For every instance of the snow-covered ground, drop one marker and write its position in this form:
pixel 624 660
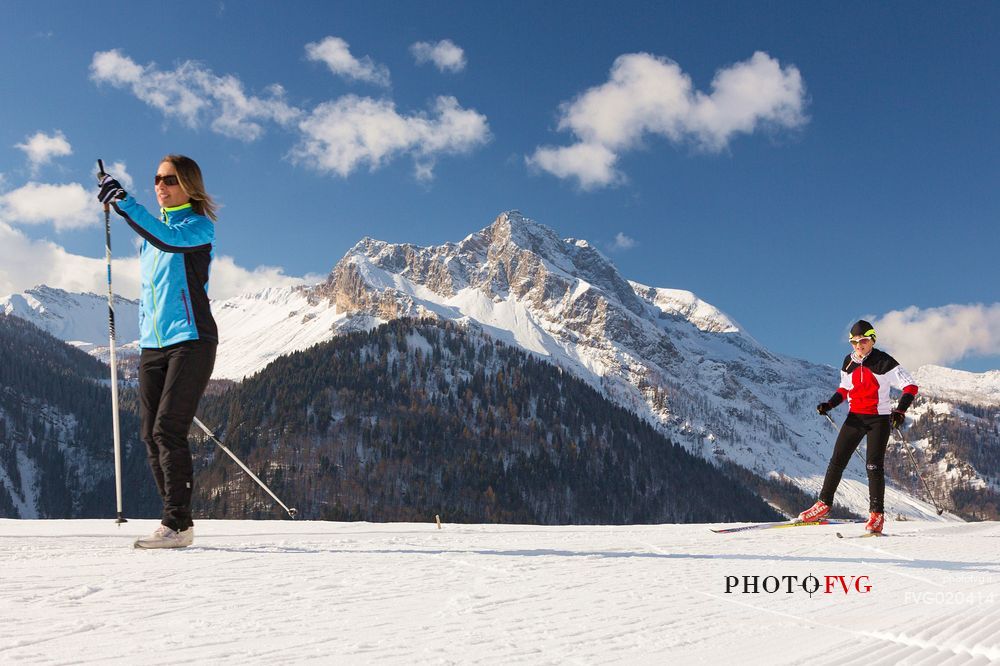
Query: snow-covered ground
pixel 358 593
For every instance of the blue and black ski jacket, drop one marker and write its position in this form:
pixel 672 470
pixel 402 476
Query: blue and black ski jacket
pixel 174 260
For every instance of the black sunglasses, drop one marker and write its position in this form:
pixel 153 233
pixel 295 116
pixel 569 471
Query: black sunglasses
pixel 166 180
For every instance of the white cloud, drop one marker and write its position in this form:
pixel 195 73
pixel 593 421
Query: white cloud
pixel 229 280
pixel 25 263
pixel 68 206
pixel 336 137
pixel 623 242
pixel 941 335
pixel 336 53
pixel 41 148
pixel 114 68
pixel 646 94
pixel 592 164
pixel 194 94
pixel 445 54
pixel 342 135
pixel 121 174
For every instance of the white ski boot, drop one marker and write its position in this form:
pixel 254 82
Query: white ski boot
pixel 164 537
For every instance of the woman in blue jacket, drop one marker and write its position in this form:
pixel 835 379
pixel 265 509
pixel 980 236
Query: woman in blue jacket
pixel 178 335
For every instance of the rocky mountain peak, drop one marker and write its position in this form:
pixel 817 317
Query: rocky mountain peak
pixel 515 245
pixel 511 227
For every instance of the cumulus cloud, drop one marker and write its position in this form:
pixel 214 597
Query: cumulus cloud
pixel 592 164
pixel 41 148
pixel 623 242
pixel 940 335
pixel 336 137
pixel 649 95
pixel 65 206
pixel 336 53
pixel 121 174
pixel 445 54
pixel 68 206
pixel 25 263
pixel 229 279
pixel 343 135
pixel 195 95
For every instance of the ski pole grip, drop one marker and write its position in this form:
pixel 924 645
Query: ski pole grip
pixel 100 176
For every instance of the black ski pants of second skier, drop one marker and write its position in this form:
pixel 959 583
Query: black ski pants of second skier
pixel 855 428
pixel 171 382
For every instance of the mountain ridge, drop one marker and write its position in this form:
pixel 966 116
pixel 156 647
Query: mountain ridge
pixel 680 363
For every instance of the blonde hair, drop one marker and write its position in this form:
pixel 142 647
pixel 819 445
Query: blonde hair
pixel 189 177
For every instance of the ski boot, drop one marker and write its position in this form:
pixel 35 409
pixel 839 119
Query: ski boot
pixel 875 522
pixel 815 513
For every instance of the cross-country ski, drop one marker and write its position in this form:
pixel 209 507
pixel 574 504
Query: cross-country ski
pixel 782 524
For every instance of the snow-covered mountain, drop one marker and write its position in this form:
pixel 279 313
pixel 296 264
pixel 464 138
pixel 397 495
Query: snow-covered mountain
pixel 980 388
pixel 78 319
pixel 675 360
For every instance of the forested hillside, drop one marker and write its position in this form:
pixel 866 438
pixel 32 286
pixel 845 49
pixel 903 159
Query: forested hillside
pixel 421 418
pixel 56 443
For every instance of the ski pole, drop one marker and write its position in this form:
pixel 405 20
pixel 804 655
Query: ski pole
pixel 856 452
pixel 114 365
pixel 291 512
pixel 909 452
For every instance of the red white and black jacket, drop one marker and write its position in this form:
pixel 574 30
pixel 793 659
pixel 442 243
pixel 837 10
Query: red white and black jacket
pixel 866 385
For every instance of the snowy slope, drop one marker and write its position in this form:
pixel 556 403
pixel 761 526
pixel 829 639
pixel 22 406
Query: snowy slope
pixel 406 593
pixel 257 328
pixel 980 388
pixel 78 319
pixel 685 304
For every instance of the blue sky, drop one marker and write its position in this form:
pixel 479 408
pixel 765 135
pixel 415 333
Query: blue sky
pixel 798 165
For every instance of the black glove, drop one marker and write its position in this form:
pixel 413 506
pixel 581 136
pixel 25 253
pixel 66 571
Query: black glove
pixel 823 407
pixel 111 190
pixel 897 418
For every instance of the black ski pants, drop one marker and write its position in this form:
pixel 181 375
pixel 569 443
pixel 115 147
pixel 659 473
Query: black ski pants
pixel 171 382
pixel 855 428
